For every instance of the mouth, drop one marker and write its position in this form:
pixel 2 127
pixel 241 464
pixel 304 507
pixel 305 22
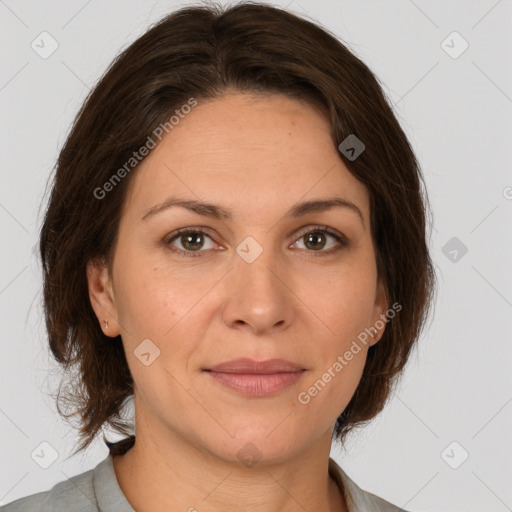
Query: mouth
pixel 250 366
pixel 256 379
pixel 251 384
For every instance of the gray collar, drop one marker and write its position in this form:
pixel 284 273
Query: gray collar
pixel 108 493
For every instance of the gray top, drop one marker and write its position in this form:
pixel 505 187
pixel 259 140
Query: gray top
pixel 97 490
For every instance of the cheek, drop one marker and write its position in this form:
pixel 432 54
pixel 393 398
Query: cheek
pixel 165 307
pixel 330 388
pixel 150 298
pixel 344 300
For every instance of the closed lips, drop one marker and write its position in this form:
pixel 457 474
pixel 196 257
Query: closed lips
pixel 251 367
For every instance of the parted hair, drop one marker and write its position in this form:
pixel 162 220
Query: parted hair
pixel 204 51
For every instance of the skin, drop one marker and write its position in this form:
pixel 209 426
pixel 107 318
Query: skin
pixel 257 156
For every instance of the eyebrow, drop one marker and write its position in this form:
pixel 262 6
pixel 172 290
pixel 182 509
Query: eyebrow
pixel 219 212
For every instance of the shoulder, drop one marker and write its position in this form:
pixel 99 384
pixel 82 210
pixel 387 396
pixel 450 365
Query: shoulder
pixel 75 494
pixel 358 499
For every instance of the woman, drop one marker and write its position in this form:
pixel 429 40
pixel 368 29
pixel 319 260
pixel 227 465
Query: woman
pixel 236 239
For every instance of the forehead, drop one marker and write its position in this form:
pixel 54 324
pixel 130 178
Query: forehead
pixel 246 152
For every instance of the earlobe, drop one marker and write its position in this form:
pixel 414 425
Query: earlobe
pixel 102 297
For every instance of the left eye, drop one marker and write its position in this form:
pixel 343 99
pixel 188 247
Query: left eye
pixel 315 239
pixel 319 236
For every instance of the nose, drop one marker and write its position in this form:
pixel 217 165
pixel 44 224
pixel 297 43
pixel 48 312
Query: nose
pixel 258 296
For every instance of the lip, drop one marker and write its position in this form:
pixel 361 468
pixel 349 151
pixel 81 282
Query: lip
pixel 256 378
pixel 250 366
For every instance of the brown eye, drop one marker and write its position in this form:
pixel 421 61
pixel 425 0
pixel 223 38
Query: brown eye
pixel 315 240
pixel 192 241
pixel 322 240
pixel 189 241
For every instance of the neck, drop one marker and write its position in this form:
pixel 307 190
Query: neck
pixel 167 473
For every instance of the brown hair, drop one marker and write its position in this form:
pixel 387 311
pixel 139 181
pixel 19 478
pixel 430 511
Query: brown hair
pixel 202 52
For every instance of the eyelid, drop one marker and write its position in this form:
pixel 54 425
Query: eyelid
pixel 183 231
pixel 317 227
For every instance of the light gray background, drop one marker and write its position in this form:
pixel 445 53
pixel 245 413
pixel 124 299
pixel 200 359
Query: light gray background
pixel 457 113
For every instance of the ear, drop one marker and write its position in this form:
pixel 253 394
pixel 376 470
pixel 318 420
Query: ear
pixel 101 295
pixel 379 317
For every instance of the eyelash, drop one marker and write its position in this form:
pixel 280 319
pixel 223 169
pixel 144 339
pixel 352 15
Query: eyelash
pixel 341 239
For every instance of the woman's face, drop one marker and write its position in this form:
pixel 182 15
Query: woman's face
pixel 264 282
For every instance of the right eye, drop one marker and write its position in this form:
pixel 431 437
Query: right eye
pixel 190 239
